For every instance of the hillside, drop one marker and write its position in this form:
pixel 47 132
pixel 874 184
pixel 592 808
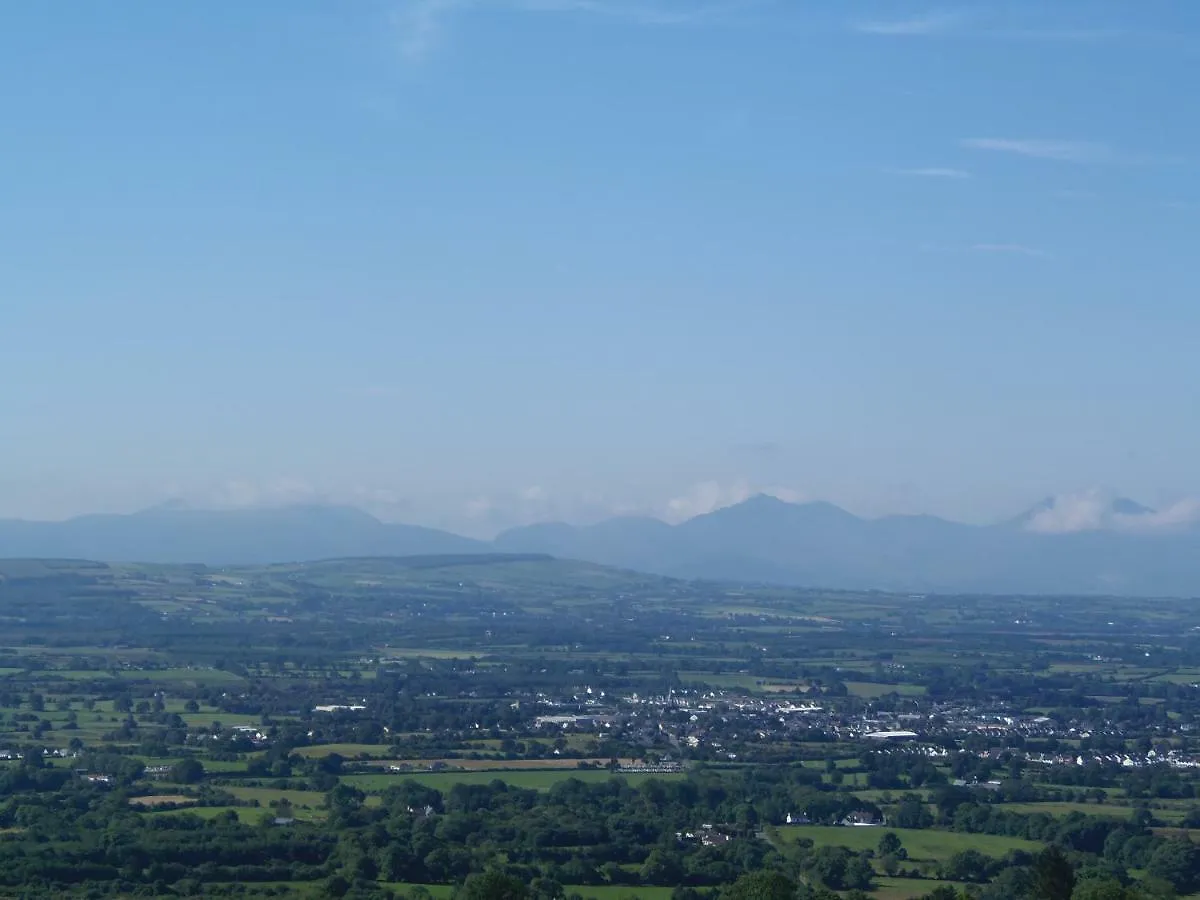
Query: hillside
pixel 760 540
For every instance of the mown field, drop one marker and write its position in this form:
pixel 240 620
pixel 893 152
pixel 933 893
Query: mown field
pixel 923 845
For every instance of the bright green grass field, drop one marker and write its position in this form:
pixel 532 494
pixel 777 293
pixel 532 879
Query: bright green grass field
pixel 376 751
pixel 265 796
pixel 535 779
pixel 920 844
pixel 619 892
pixel 246 814
pixel 594 892
pixel 1088 809
pixel 440 891
pixel 907 888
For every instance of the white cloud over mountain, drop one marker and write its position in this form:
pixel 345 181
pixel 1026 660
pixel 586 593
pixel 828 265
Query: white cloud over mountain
pixel 1097 509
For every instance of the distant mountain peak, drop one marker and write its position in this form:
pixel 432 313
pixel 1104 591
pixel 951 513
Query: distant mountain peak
pixel 174 504
pixel 1123 506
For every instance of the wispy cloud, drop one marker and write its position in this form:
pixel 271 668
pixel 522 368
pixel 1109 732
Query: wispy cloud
pixel 914 26
pixel 1061 35
pixel 1038 148
pixel 932 172
pixel 420 25
pixel 641 12
pixel 1098 509
pixel 962 24
pixel 1016 249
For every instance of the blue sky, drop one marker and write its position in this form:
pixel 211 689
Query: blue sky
pixel 473 262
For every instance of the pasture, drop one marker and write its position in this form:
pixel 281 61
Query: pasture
pixel 923 845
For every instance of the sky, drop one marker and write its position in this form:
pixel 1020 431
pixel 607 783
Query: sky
pixel 473 263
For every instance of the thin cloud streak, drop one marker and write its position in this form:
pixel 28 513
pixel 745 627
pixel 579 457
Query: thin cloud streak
pixel 420 24
pixel 1017 249
pixel 917 26
pixel 959 24
pixel 1038 148
pixel 933 172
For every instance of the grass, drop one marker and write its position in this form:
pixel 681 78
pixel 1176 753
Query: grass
pixel 350 751
pixel 907 888
pixel 1088 809
pixel 922 845
pixel 588 891
pixel 402 653
pixel 539 780
pixel 160 800
pixel 493 765
pixel 266 796
pixel 246 814
pixel 870 690
pixel 619 892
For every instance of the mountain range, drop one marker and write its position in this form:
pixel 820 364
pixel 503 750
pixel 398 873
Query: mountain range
pixel 760 540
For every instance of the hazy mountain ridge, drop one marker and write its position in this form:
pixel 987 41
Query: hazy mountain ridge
pixel 762 539
pixel 250 536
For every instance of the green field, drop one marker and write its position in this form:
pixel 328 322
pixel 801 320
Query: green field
pixel 870 689
pixel 907 888
pixel 266 796
pixel 1088 809
pixel 620 892
pixel 587 891
pixel 922 845
pixel 350 751
pixel 536 779
pixel 247 814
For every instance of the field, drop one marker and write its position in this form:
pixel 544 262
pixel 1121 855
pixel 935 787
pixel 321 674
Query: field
pixel 620 892
pixel 922 845
pixel 1088 809
pixel 497 765
pixel 149 802
pixel 374 751
pixel 540 780
pixel 907 888
pixel 870 690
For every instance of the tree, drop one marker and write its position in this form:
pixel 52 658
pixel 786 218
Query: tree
pixel 661 867
pixel 966 865
pixel 1178 862
pixel 187 771
pixel 1103 889
pixel 492 885
pixel 858 874
pixel 889 845
pixel 911 812
pixel 1053 876
pixel 943 892
pixel 761 886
